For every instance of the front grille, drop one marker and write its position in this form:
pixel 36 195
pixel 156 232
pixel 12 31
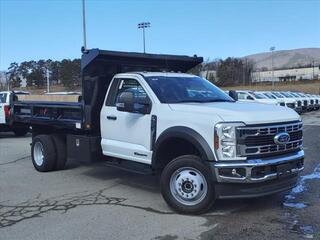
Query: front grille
pixel 290 105
pixel 299 103
pixel 305 103
pixel 317 101
pixel 311 102
pixel 259 140
pixel 282 104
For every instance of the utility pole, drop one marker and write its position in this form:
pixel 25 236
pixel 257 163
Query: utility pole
pixel 48 83
pixel 144 25
pixel 84 25
pixel 8 81
pixel 312 69
pixel 272 49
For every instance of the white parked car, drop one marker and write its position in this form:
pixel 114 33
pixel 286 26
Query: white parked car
pixel 269 95
pixel 251 96
pixel 289 101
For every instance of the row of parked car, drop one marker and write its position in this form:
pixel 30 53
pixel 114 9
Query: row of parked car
pixel 300 102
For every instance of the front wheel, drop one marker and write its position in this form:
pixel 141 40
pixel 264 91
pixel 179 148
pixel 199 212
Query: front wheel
pixel 187 185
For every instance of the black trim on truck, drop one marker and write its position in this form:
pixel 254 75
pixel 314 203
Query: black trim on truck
pixel 153 135
pixel 187 134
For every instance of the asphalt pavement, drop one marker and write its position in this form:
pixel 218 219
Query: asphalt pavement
pixel 99 202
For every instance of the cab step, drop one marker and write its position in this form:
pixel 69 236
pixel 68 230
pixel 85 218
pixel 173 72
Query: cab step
pixel 129 166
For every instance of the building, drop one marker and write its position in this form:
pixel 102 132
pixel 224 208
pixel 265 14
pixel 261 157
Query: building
pixel 283 75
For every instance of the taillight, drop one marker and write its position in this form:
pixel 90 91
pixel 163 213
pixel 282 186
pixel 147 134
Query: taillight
pixel 7 111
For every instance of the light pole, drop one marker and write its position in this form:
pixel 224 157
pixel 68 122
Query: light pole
pixel 272 49
pixel 144 25
pixel 84 26
pixel 48 83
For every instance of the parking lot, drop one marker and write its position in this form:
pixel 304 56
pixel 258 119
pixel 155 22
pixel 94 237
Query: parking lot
pixel 99 202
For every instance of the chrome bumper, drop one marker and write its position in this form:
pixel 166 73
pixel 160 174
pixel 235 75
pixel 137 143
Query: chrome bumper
pixel 249 165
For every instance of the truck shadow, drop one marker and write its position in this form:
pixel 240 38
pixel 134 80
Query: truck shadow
pixel 151 184
pixel 147 183
pixel 11 135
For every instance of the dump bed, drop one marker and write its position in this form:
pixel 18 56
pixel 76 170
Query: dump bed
pixel 98 67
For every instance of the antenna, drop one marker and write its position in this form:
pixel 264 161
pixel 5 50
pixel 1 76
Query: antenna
pixel 84 47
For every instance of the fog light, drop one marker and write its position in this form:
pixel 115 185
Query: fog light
pixel 232 172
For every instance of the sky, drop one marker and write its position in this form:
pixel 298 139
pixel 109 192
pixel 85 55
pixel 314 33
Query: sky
pixel 52 29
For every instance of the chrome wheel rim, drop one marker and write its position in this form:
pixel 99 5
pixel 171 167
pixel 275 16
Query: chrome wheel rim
pixel 188 186
pixel 38 153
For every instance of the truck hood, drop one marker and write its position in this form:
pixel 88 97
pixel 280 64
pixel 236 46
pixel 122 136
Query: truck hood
pixel 267 101
pixel 249 113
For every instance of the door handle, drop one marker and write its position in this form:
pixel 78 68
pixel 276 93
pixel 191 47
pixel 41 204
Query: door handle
pixel 111 117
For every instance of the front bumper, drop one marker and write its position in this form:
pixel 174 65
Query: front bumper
pixel 257 177
pixel 298 109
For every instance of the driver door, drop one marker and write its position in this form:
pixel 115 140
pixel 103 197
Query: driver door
pixel 3 102
pixel 125 135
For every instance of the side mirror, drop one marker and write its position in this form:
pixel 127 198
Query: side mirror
pixel 127 103
pixel 233 94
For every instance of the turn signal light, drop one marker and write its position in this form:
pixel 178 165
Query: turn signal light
pixel 6 111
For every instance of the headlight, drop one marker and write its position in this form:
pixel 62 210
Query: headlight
pixel 225 141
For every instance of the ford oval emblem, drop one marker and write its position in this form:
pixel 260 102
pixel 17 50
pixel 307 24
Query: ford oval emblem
pixel 281 138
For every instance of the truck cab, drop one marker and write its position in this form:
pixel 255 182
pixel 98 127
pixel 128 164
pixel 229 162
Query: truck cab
pixel 6 124
pixel 143 113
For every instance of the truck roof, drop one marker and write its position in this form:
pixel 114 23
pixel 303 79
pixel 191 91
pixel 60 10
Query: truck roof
pixel 133 61
pixel 162 74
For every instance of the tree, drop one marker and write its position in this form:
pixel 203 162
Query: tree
pixel 234 71
pixel 13 75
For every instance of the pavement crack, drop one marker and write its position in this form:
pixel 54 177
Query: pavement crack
pixel 14 161
pixel 13 214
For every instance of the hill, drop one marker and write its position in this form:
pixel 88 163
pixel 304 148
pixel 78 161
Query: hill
pixel 286 58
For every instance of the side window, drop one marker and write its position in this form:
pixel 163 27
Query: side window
pixel 3 97
pixel 249 97
pixel 242 95
pixel 111 98
pixel 133 86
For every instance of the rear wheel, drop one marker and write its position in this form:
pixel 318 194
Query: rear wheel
pixel 21 131
pixel 43 153
pixel 61 151
pixel 187 185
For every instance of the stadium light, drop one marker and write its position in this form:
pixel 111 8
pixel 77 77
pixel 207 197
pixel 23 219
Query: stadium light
pixel 144 25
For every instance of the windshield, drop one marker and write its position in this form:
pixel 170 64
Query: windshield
pixel 269 95
pixel 3 97
pixel 258 95
pixel 287 95
pixel 186 89
pixel 277 95
pixel 295 94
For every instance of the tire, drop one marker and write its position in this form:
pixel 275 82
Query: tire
pixel 43 153
pixel 61 151
pixel 20 132
pixel 180 177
